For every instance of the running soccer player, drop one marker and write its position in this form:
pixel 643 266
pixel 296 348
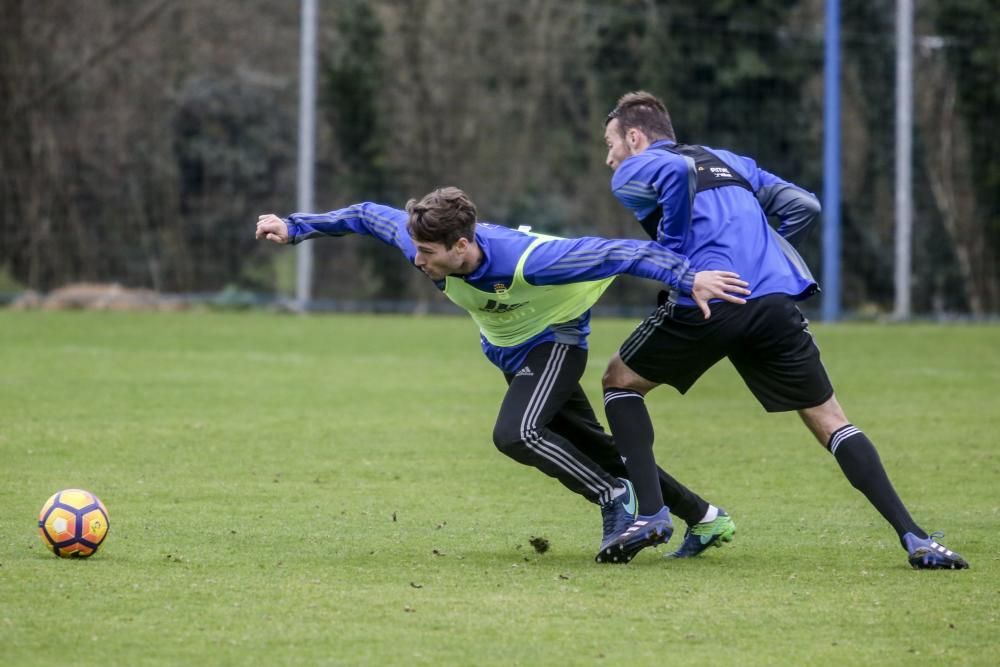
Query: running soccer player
pixel 712 206
pixel 531 297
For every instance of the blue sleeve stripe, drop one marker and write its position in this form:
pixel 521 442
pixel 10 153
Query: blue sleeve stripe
pixel 638 188
pixel 310 218
pixel 632 247
pixel 657 257
pixel 386 228
pixel 644 251
pixel 675 269
pixel 661 262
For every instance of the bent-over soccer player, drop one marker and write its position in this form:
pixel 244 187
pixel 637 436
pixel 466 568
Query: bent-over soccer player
pixel 712 206
pixel 531 297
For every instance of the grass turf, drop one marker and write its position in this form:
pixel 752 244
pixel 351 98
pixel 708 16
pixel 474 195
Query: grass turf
pixel 323 491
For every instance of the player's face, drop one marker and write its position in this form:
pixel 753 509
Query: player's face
pixel 618 150
pixel 436 261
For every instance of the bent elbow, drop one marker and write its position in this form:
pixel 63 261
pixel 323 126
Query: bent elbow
pixel 813 207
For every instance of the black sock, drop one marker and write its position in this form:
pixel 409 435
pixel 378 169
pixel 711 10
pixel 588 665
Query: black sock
pixel 633 433
pixel 682 501
pixel 863 468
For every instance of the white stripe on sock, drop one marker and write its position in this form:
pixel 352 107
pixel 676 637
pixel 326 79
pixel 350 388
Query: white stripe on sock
pixel 611 396
pixel 843 434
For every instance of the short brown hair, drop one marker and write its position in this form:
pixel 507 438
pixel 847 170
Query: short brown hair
pixel 643 111
pixel 442 216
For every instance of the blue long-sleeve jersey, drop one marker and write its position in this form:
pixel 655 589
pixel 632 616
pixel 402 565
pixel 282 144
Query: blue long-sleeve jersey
pixel 556 262
pixel 723 228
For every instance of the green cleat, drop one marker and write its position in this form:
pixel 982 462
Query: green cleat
pixel 704 535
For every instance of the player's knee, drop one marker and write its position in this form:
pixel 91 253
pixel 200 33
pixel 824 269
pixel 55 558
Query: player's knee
pixel 507 437
pixel 619 376
pixel 612 372
pixel 825 419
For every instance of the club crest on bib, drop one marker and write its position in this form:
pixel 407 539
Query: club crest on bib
pixel 501 291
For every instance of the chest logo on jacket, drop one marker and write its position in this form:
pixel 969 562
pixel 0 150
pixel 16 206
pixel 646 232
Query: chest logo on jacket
pixel 494 307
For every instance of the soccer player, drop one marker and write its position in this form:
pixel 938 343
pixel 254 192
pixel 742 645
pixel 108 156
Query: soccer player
pixel 531 297
pixel 712 206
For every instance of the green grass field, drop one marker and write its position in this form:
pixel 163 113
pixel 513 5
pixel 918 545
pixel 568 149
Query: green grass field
pixel 324 491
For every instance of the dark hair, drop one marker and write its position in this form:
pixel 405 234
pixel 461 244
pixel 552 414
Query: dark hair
pixel 442 216
pixel 645 112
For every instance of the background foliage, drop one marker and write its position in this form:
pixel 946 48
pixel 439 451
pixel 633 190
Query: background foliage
pixel 141 139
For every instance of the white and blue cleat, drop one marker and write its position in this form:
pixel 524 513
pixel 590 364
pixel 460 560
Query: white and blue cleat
pixel 618 514
pixel 926 554
pixel 645 531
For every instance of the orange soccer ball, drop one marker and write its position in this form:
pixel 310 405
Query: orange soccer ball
pixel 73 523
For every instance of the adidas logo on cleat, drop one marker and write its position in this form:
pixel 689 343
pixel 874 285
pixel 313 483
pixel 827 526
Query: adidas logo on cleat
pixel 635 526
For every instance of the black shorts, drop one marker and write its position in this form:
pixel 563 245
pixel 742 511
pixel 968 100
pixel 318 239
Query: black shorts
pixel 767 340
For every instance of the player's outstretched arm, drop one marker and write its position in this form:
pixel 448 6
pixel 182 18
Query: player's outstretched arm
pixel 724 285
pixel 272 228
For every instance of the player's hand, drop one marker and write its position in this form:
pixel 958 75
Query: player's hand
pixel 724 285
pixel 272 228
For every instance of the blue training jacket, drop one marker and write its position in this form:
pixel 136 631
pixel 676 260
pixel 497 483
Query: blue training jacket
pixel 559 261
pixel 724 228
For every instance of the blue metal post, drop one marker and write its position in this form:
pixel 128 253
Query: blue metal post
pixel 831 165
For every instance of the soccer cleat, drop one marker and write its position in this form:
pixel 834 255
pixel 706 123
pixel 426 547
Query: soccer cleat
pixel 927 554
pixel 618 514
pixel 645 531
pixel 706 534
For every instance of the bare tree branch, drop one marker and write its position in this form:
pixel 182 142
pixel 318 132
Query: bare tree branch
pixel 128 32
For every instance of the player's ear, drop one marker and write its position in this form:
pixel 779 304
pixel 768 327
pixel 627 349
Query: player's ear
pixel 633 136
